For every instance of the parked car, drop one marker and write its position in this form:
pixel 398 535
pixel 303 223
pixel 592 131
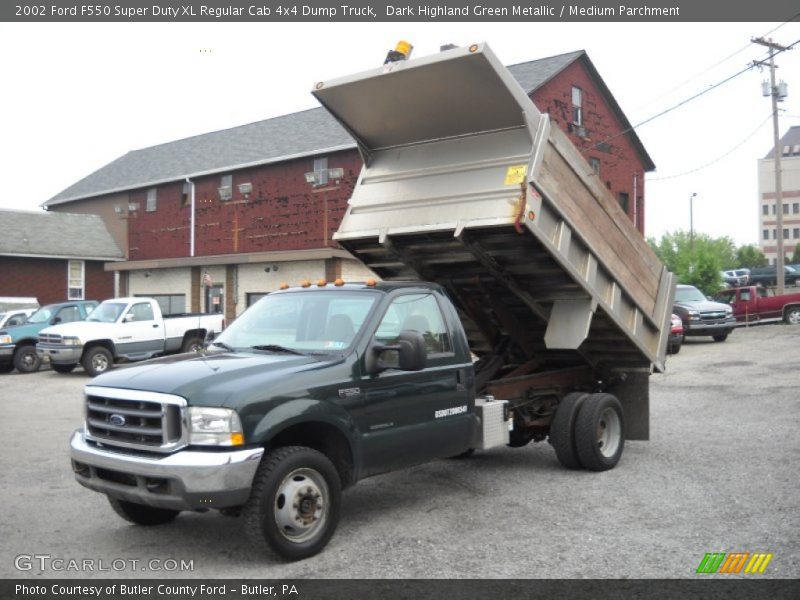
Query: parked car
pixel 756 303
pixel 675 335
pixel 701 316
pixel 129 329
pixel 12 318
pixel 18 344
pixel 736 277
pixel 769 275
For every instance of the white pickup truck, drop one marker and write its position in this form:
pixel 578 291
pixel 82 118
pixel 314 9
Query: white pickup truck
pixel 129 329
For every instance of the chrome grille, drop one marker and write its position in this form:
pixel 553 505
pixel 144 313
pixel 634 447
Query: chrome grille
pixel 49 338
pixel 713 316
pixel 135 419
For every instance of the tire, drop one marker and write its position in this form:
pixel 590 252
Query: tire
pixel 465 454
pixel 600 432
pixel 270 517
pixel 63 368
pixel 140 514
pixel 792 315
pixel 6 367
pixel 26 360
pixel 193 344
pixel 721 338
pixel 675 348
pixel 97 360
pixel 562 430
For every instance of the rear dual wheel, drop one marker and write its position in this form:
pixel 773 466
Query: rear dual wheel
pixel 588 431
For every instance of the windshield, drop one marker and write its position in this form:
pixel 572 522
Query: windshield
pixel 689 294
pixel 107 312
pixel 299 321
pixel 42 315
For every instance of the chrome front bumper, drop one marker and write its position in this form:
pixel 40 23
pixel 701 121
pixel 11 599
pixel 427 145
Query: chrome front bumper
pixel 184 480
pixel 67 355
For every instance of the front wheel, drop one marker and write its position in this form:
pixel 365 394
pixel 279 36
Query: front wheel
pixel 26 360
pixel 721 338
pixel 294 503
pixel 600 432
pixel 97 360
pixel 192 344
pixel 140 514
pixel 792 315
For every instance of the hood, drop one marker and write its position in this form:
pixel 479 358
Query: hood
pixel 84 330
pixel 18 332
pixel 704 306
pixel 209 379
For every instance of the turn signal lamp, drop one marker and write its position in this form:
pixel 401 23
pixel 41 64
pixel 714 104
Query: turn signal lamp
pixel 284 286
pixel 371 283
pixel 339 282
pixel 305 283
pixel 322 283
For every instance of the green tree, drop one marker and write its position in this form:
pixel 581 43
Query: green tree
pixel 699 262
pixel 750 257
pixel 796 256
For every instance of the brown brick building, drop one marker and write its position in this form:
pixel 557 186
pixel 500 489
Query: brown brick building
pixel 55 256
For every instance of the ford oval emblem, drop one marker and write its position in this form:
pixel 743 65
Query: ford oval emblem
pixel 117 420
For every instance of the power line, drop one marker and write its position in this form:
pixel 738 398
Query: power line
pixel 716 160
pixel 716 64
pixel 686 101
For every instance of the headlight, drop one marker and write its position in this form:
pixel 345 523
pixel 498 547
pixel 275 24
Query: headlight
pixel 214 427
pixel 728 311
pixel 70 341
pixel 5 339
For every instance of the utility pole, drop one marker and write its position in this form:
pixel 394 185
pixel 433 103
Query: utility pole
pixel 691 221
pixel 779 263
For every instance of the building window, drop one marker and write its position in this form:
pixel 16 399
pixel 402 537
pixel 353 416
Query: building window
pixel 253 297
pixel 151 200
pixel 765 234
pixel 321 171
pixel 773 209
pixel 226 187
pixel 595 162
pixel 577 106
pixel 765 210
pixel 796 207
pixel 774 234
pixel 623 201
pixel 786 209
pixel 786 233
pixel 170 304
pixel 186 194
pixel 796 233
pixel 76 279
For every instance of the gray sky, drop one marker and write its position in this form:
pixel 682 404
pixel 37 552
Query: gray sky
pixel 77 96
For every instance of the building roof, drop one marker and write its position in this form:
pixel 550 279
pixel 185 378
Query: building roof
pixel 789 144
pixel 55 235
pixel 305 133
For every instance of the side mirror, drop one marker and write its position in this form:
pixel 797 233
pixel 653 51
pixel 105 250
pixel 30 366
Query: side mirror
pixel 407 354
pixel 210 337
pixel 55 320
pixel 127 318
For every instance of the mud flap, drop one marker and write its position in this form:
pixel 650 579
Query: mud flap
pixel 634 395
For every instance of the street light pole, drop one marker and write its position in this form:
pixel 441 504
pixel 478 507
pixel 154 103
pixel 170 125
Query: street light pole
pixel 691 221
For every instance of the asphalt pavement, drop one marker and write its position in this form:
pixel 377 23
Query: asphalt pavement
pixel 718 475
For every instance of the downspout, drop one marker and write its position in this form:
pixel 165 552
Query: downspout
pixel 191 221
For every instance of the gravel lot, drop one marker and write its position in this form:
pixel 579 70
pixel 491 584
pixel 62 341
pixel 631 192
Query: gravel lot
pixel 719 475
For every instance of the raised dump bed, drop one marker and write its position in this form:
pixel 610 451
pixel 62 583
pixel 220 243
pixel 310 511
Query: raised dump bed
pixel 465 183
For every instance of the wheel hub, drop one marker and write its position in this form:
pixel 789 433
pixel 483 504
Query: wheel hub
pixel 300 508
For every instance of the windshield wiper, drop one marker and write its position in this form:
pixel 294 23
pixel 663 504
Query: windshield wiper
pixel 276 348
pixel 223 345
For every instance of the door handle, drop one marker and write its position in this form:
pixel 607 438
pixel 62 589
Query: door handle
pixel 155 325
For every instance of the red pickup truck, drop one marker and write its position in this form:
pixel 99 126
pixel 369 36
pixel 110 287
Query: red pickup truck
pixel 756 303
